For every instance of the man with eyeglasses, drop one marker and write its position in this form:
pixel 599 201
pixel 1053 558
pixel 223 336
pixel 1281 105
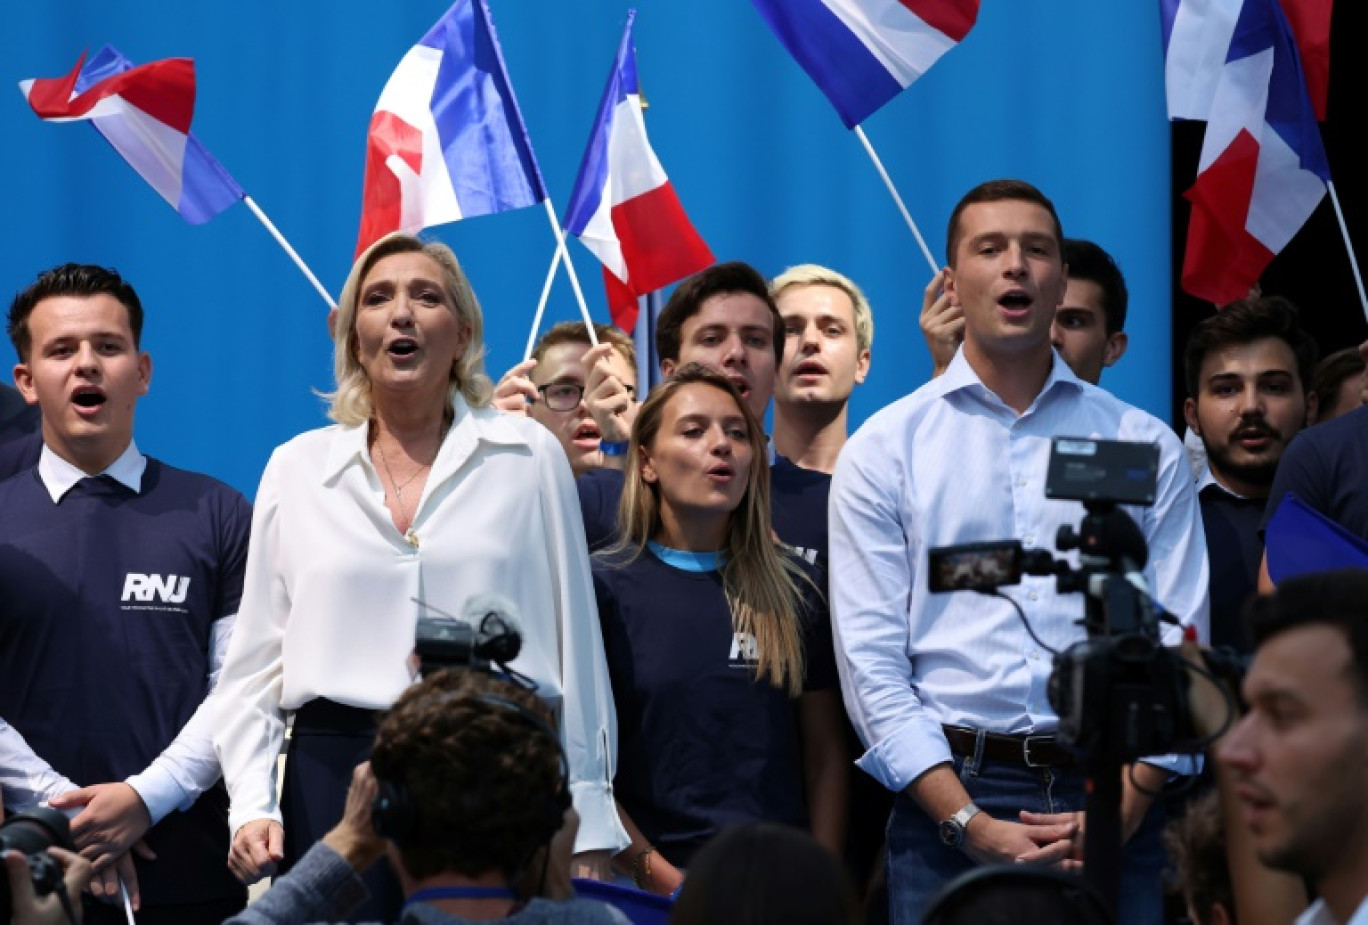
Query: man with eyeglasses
pixel 584 395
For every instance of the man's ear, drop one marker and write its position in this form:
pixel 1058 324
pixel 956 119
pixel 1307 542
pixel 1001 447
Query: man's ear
pixel 1115 348
pixel 1312 408
pixel 862 367
pixel 1190 415
pixel 949 286
pixel 23 381
pixel 144 372
pixel 667 368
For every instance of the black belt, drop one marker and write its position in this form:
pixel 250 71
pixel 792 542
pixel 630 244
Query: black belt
pixel 321 716
pixel 1032 751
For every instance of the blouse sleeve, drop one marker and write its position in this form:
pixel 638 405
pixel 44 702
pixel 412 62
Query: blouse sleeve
pixel 588 720
pixel 249 727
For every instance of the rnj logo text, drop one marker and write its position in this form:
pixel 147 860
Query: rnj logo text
pixel 169 589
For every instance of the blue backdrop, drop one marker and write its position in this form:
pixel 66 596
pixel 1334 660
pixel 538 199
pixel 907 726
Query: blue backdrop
pixel 1067 94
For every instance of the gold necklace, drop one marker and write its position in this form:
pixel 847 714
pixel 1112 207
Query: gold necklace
pixel 399 492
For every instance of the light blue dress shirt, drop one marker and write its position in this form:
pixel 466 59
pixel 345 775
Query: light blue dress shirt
pixel 951 463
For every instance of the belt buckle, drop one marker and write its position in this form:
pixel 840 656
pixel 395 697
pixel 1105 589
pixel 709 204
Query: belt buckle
pixel 1026 751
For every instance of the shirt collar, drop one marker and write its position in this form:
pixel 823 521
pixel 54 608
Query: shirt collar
pixel 959 376
pixel 1207 478
pixel 469 428
pixel 59 476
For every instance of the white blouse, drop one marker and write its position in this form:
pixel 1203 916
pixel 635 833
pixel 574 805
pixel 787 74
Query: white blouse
pixel 328 604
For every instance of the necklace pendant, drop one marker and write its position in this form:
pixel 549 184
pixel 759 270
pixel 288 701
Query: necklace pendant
pixel 412 538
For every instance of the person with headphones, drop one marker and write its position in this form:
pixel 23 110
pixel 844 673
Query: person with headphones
pixel 467 793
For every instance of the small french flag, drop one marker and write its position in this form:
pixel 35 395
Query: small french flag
pixel 623 207
pixel 144 113
pixel 447 141
pixel 862 53
pixel 1263 169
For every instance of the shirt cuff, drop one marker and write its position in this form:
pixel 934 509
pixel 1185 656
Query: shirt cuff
pixel 1177 765
pixel 159 792
pixel 600 828
pixel 907 754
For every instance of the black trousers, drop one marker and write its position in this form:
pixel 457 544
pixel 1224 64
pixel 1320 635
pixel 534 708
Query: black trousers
pixel 329 740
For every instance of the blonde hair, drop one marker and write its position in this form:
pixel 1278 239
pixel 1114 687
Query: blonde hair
pixel 810 274
pixel 351 403
pixel 760 582
pixel 574 332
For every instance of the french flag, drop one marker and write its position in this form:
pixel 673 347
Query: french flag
pixel 1263 169
pixel 623 207
pixel 1197 35
pixel 144 113
pixel 447 141
pixel 862 53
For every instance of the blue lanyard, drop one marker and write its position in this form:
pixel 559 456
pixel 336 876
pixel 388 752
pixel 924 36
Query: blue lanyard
pixel 459 892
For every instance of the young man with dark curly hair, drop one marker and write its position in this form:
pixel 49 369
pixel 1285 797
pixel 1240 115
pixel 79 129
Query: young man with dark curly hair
pixel 466 793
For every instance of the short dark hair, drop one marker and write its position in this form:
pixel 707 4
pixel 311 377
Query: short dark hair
pixel 997 191
pixel 1007 895
pixel 1244 322
pixel 689 296
pixel 1090 263
pixel 1330 373
pixel 70 279
pixel 760 872
pixel 481 775
pixel 1196 842
pixel 1338 598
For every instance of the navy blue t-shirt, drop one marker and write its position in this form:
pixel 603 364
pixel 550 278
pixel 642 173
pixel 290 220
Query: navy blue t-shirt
pixel 798 508
pixel 798 501
pixel 702 744
pixel 1234 550
pixel 1325 466
pixel 107 603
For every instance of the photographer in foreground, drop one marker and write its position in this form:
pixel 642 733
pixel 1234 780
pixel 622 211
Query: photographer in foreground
pixel 466 792
pixel 1294 769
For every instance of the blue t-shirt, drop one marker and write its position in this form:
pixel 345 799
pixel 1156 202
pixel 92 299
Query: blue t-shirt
pixel 107 603
pixel 1234 551
pixel 1325 466
pixel 798 508
pixel 702 744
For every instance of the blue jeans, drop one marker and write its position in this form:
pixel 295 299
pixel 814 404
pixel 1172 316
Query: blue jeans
pixel 919 865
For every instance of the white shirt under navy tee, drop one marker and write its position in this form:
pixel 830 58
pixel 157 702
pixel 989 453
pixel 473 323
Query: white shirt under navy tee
pixel 114 591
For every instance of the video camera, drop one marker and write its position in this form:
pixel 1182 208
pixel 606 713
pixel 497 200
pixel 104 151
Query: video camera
pixel 32 833
pixel 485 634
pixel 1119 692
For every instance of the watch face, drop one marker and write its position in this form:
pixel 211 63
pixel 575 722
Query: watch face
pixel 951 833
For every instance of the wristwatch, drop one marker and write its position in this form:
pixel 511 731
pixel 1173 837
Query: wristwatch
pixel 952 830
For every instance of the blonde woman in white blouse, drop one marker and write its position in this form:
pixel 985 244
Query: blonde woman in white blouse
pixel 422 492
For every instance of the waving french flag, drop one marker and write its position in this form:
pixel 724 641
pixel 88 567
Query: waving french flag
pixel 862 53
pixel 1263 169
pixel 623 207
pixel 447 141
pixel 144 113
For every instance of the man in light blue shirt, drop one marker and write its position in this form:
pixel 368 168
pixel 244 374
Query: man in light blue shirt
pixel 948 692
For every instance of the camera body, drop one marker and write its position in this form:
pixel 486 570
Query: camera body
pixel 1120 694
pixel 32 833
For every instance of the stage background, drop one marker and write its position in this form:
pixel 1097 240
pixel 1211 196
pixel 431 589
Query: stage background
pixel 1067 94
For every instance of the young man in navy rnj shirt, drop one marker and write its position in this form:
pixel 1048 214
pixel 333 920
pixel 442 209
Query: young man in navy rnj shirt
pixel 119 581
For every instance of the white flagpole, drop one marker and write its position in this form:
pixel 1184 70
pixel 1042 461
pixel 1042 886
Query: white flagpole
pixel 1348 246
pixel 570 268
pixel 893 191
pixel 280 239
pixel 541 304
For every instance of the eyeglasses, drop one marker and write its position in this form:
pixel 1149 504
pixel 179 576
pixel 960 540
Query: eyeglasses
pixel 565 396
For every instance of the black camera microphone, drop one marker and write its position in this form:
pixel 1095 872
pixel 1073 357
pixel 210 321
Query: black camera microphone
pixel 486 633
